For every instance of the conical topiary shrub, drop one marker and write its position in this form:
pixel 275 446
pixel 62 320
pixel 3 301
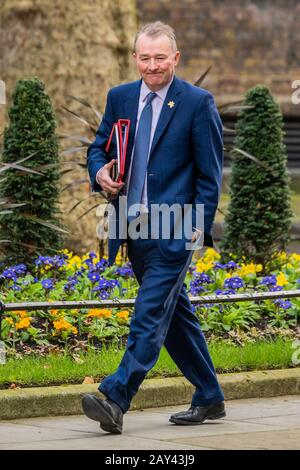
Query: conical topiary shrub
pixel 32 228
pixel 258 219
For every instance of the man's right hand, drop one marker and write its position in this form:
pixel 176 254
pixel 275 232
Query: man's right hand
pixel 104 179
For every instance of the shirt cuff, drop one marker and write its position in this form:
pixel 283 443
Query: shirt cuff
pixel 97 176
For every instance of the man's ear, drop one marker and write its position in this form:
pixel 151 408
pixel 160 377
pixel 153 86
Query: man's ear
pixel 177 57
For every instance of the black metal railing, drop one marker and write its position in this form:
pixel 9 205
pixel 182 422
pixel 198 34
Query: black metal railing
pixel 199 300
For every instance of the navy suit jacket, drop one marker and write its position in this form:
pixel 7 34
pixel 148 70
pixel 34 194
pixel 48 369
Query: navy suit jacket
pixel 186 156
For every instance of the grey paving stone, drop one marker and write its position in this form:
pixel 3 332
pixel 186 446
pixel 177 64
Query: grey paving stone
pixel 268 423
pixel 14 433
pixel 286 421
pixel 270 440
pixel 102 442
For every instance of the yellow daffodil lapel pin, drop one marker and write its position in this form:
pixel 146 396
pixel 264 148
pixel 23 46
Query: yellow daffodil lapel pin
pixel 171 104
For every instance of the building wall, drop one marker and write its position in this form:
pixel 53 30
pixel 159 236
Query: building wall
pixel 79 48
pixel 246 41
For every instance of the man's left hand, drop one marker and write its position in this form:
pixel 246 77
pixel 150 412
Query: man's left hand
pixel 196 235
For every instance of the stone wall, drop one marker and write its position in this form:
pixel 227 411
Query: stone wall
pixel 78 47
pixel 246 41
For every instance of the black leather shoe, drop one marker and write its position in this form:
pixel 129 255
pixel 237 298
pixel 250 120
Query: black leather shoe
pixel 108 413
pixel 198 414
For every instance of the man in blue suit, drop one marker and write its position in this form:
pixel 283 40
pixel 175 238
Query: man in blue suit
pixel 175 157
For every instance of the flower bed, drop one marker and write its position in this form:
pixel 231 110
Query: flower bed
pixel 69 277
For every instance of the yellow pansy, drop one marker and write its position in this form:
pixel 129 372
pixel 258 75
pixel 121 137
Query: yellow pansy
pixel 75 262
pixel 211 255
pixel 203 266
pixel 99 313
pixel 282 256
pixel 24 323
pixel 67 252
pixel 119 260
pixel 295 257
pixel 63 324
pixel 281 279
pixel 250 268
pixel 123 315
pixel 54 313
pixel 21 313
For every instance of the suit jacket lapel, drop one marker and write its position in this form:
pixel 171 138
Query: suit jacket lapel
pixel 168 110
pixel 131 104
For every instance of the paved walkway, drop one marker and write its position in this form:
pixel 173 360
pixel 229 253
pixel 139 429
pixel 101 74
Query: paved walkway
pixel 268 423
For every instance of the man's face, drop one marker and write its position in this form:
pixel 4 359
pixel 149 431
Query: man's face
pixel 155 60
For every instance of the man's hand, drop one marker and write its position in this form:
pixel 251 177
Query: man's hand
pixel 104 179
pixel 195 235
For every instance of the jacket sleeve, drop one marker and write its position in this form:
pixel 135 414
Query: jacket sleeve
pixel 207 141
pixel 96 155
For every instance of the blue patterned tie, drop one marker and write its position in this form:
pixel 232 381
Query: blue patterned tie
pixel 140 155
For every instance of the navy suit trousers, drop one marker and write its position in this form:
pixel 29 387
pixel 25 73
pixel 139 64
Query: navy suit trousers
pixel 152 326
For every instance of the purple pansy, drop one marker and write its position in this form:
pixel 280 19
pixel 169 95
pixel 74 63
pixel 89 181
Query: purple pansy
pixel 234 282
pixel 125 272
pixel 285 304
pixel 47 284
pixel 225 292
pixel 56 261
pixel 71 284
pixel 105 286
pixel 94 277
pixel 269 280
pixel 196 286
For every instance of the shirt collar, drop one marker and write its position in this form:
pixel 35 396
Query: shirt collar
pixel 162 93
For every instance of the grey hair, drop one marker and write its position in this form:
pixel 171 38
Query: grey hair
pixel 156 29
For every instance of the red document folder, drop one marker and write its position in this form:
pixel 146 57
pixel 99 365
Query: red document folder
pixel 120 132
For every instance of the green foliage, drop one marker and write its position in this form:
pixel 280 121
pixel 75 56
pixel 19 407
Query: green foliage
pixel 32 227
pixel 258 219
pixel 224 318
pixel 48 369
pixel 68 277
